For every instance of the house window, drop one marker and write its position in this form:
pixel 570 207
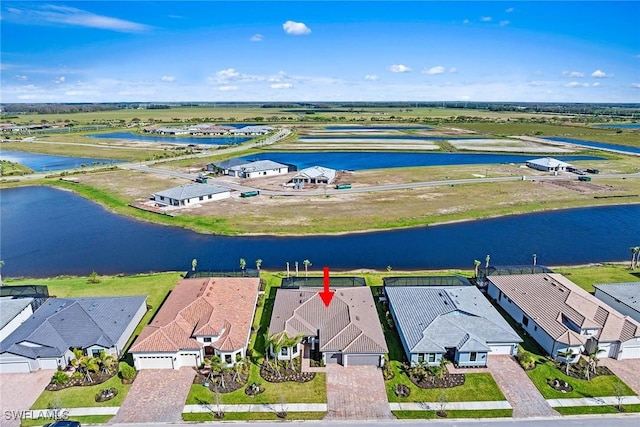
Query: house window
pixel 473 356
pixel 206 339
pixel 96 353
pixel 201 198
pixel 161 197
pixel 420 357
pixel 284 351
pixel 535 328
pixel 432 357
pixel 227 358
pixel 210 196
pixel 525 320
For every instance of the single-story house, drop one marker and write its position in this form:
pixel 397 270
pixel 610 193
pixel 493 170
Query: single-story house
pixel 252 130
pixel 46 339
pixel 190 194
pixel 561 316
pixel 13 313
pixel 624 297
pixel 455 322
pixel 348 331
pixel 259 168
pixel 548 164
pixel 200 318
pixel 314 175
pixel 224 166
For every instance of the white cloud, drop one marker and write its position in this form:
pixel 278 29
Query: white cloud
pixel 434 70
pixel 573 74
pixel 600 74
pixel 59 80
pixel 596 84
pixel 168 79
pixel 453 70
pixel 577 84
pixel 371 77
pixel 281 86
pixel 636 85
pixel 227 88
pixel 505 23
pixel 296 28
pixel 22 78
pixel 466 21
pixel 509 10
pixel 486 19
pixel 257 38
pixel 73 16
pixel 399 68
pixel 226 75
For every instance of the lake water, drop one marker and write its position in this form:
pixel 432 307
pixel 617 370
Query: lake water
pixel 48 162
pixel 594 144
pixel 377 160
pixel 49 232
pixel 376 128
pixel 171 139
pixel 620 126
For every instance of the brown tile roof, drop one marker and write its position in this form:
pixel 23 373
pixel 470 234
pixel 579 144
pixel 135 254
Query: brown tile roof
pixel 350 324
pixel 550 298
pixel 204 306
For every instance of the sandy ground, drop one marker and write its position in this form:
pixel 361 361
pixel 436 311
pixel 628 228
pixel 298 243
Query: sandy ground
pixel 507 145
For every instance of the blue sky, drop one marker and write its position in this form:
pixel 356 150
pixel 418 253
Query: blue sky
pixel 216 51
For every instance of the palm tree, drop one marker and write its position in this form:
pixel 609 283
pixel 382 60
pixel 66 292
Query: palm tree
pixel 194 264
pixel 566 355
pixel 258 264
pixel 307 264
pixel 635 253
pixel 290 343
pixel 296 264
pixel 218 368
pixel 106 362
pixel 476 264
pixel 535 259
pixel 593 358
pixel 1 265
pixel 243 265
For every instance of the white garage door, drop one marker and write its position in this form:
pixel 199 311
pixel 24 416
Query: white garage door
pixel 187 359
pixel 48 364
pixel 500 349
pixel 151 362
pixel 14 367
pixel 363 359
pixel 630 353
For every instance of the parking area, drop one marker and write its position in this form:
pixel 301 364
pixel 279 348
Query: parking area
pixel 18 392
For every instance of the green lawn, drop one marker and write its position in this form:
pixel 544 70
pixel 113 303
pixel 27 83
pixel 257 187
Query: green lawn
pixel 586 277
pixel 84 420
pixel 585 410
pixel 309 392
pixel 491 413
pixel 604 385
pixel 82 397
pixel 253 416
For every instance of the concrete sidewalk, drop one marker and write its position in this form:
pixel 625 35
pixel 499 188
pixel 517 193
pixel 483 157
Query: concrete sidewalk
pixel 450 406
pixel 259 407
pixel 594 401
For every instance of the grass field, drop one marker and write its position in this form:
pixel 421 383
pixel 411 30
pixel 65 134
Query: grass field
pixel 10 169
pixel 253 416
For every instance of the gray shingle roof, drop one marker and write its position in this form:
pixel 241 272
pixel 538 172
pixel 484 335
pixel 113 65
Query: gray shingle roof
pixel 315 172
pixel 62 323
pixel 11 307
pixel 433 318
pixel 191 191
pixel 548 162
pixel 350 324
pixel 627 293
pixel 258 166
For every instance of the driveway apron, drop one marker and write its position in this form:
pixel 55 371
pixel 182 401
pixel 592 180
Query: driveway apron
pixel 157 395
pixel 628 370
pixel 18 392
pixel 356 393
pixel 522 394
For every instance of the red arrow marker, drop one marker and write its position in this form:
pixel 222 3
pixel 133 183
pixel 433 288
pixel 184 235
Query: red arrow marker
pixel 326 294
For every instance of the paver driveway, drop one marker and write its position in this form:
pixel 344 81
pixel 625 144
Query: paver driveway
pixel 356 393
pixel 628 370
pixel 157 395
pixel 523 396
pixel 19 391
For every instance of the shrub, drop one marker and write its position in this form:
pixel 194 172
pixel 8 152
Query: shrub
pixel 60 378
pixel 127 372
pixel 527 360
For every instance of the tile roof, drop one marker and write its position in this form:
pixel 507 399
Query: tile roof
pixel 552 299
pixel 350 324
pixel 190 191
pixel 62 323
pixel 627 293
pixel 11 307
pixel 432 318
pixel 212 306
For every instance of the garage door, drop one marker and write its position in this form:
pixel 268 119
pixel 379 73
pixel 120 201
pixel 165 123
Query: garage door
pixel 48 364
pixel 187 359
pixel 500 349
pixel 15 367
pixel 363 359
pixel 630 353
pixel 155 362
pixel 334 358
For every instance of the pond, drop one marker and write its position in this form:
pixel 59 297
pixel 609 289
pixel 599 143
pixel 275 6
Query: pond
pixel 377 160
pixel 50 232
pixel 171 139
pixel 48 162
pixel 620 125
pixel 594 144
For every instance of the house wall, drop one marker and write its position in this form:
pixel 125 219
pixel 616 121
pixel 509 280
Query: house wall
pixel 615 303
pixel 193 201
pixel 415 359
pixel 15 322
pixel 464 359
pixel 270 172
pixel 630 349
pixel 111 351
pixel 131 327
pixel 296 352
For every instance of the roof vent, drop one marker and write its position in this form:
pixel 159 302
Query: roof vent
pixel 357 317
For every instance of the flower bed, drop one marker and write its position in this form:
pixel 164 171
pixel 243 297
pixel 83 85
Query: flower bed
pixel 284 373
pixel 560 385
pixel 430 381
pixel 80 380
pixel 231 381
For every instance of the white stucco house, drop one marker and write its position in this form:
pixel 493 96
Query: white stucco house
pixel 548 164
pixel 258 169
pixel 562 316
pixel 314 175
pixel 200 318
pixel 190 194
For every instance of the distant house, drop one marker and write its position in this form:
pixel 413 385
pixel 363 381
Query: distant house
pixel 45 340
pixel 13 312
pixel 259 168
pixel 252 130
pixel 455 322
pixel 190 194
pixel 548 164
pixel 347 332
pixel 224 166
pixel 314 175
pixel 561 316
pixel 624 297
pixel 201 317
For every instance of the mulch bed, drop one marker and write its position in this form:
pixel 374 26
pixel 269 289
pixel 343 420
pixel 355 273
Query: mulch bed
pixel 215 383
pixel 98 378
pixel 253 389
pixel 106 394
pixel 402 390
pixel 559 385
pixel 576 370
pixel 430 381
pixel 268 373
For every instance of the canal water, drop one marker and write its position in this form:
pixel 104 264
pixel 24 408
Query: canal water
pixel 47 162
pixel 171 139
pixel 49 232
